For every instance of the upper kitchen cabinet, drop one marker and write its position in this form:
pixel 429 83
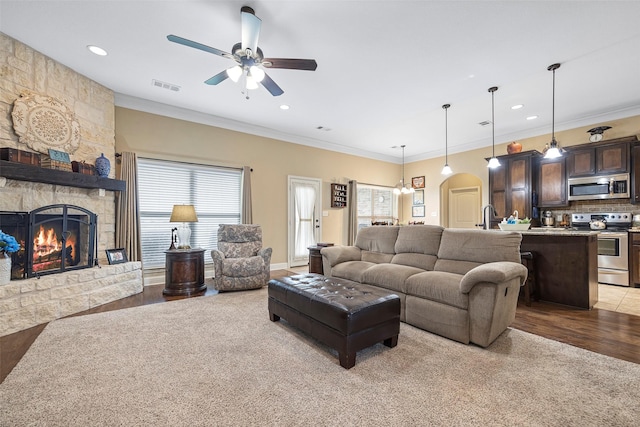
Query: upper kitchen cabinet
pixel 635 173
pixel 512 184
pixel 601 158
pixel 552 183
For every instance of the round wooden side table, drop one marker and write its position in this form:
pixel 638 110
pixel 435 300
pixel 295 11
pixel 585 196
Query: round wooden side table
pixel 184 272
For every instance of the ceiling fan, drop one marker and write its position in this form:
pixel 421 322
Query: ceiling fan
pixel 249 58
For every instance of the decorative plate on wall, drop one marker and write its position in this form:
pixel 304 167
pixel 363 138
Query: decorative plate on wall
pixel 43 122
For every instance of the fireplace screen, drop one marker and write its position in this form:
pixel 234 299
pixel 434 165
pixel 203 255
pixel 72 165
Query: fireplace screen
pixel 62 238
pixel 53 239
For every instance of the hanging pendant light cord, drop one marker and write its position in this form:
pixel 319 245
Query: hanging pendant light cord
pixel 446 134
pixel 493 126
pixel 553 107
pixel 403 184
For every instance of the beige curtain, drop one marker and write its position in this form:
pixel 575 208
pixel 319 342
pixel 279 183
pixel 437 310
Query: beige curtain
pixel 247 216
pixel 127 209
pixel 352 206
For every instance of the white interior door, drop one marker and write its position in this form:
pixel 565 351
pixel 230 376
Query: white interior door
pixel 464 207
pixel 305 218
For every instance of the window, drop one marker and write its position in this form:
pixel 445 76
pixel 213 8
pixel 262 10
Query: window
pixel 214 191
pixel 376 204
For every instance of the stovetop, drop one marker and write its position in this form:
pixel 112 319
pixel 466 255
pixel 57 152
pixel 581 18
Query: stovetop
pixel 615 221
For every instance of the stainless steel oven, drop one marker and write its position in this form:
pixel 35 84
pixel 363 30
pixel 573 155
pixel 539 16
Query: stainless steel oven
pixel 613 249
pixel 613 258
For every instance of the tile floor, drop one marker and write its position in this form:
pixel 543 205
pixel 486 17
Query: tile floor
pixel 610 297
pixel 619 298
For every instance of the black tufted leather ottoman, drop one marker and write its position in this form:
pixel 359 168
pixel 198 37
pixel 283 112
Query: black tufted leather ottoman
pixel 344 315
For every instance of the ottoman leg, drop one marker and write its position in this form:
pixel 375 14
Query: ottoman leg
pixel 273 317
pixel 347 359
pixel 391 342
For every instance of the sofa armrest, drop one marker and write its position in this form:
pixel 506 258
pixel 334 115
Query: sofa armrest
pixel 493 272
pixel 338 254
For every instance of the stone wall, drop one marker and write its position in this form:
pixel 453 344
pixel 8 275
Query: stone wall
pixel 26 303
pixel 30 302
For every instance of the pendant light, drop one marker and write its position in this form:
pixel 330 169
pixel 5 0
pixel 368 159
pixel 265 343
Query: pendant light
pixel 402 187
pixel 446 170
pixel 493 161
pixel 554 150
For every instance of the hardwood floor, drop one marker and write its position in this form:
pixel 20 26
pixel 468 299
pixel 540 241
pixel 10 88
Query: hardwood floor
pixel 602 331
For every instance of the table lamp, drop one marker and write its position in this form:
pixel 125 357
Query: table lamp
pixel 183 214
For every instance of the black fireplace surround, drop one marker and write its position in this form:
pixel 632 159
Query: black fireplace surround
pixel 53 239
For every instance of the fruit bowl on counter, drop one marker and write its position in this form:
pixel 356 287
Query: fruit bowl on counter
pixel 515 227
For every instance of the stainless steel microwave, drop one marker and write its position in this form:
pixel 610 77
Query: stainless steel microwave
pixel 599 187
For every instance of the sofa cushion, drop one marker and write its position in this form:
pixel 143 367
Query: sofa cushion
pixel 440 286
pixel 377 239
pixel 421 261
pixel 419 239
pixel 376 257
pixel 464 249
pixel 389 276
pixel 351 270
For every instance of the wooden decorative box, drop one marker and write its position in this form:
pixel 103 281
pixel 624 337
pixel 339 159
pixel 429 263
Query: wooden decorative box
pixel 83 168
pixel 19 156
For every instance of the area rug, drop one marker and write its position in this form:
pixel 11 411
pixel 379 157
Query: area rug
pixel 218 360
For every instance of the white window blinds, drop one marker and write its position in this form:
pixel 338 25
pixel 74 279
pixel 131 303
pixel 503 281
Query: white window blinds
pixel 214 191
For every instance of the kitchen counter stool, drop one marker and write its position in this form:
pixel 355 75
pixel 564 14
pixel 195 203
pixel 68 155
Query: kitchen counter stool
pixel 529 287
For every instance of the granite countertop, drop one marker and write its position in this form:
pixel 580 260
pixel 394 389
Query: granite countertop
pixel 544 231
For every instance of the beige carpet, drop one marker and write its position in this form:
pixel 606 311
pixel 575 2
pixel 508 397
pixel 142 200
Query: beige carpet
pixel 218 360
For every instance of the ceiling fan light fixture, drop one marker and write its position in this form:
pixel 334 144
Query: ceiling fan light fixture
pixel 234 73
pixel 251 83
pixel 257 73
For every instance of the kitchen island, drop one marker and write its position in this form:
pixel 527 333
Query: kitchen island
pixel 566 265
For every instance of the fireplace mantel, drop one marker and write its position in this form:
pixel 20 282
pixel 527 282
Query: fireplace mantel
pixel 24 172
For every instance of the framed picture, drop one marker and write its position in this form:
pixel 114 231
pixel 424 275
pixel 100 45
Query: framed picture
pixel 417 211
pixel 417 182
pixel 418 197
pixel 116 256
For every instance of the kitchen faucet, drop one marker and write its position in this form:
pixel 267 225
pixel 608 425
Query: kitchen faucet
pixel 486 221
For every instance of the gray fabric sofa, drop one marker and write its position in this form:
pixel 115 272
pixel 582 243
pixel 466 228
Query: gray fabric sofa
pixel 459 283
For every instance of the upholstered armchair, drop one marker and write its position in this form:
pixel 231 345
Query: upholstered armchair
pixel 240 262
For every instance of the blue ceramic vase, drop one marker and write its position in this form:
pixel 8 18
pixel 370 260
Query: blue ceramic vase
pixel 103 166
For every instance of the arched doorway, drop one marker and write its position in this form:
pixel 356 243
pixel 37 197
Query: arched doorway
pixel 461 201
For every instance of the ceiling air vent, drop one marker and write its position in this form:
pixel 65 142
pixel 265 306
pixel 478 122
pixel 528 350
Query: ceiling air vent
pixel 486 122
pixel 171 87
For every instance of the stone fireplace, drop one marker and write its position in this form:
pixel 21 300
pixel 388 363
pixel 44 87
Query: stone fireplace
pixel 43 296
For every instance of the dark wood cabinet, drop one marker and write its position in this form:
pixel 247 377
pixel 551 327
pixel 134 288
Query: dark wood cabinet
pixel 512 184
pixel 602 158
pixel 184 272
pixel 634 259
pixel 635 174
pixel 338 195
pixel 552 184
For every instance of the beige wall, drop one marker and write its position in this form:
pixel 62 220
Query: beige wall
pixel 272 161
pixel 160 137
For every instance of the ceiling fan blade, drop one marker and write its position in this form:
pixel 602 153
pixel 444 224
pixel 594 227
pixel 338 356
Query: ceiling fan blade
pixel 196 45
pixel 271 86
pixel 220 77
pixel 291 64
pixel 250 29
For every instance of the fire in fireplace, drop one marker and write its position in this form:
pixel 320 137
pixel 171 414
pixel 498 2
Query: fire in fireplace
pixel 55 238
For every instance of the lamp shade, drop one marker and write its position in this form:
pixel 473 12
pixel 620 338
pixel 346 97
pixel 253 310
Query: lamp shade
pixel 183 213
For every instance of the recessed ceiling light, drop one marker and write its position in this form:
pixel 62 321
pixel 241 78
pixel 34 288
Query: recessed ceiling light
pixel 284 107
pixel 517 107
pixel 532 117
pixel 97 50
